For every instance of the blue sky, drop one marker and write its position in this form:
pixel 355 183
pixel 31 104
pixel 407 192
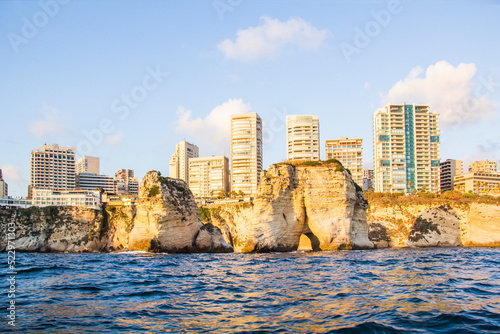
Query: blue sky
pixel 139 76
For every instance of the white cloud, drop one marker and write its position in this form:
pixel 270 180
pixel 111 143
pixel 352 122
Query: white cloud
pixel 271 38
pixel 114 140
pixel 214 130
pixel 367 85
pixel 450 91
pixel 52 123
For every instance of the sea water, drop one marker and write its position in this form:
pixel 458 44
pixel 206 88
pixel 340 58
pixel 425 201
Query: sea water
pixel 434 290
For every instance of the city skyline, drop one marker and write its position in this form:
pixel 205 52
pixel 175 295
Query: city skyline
pixel 166 71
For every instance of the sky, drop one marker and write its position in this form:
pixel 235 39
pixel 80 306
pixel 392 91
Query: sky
pixel 126 80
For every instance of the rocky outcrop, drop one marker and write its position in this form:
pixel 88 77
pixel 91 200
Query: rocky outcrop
pixel 410 223
pixel 314 207
pixel 54 229
pixel 164 219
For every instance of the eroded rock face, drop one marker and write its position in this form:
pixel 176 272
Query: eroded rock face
pixel 165 219
pixel 483 226
pixel 319 204
pixel 54 229
pixel 417 225
pixel 436 227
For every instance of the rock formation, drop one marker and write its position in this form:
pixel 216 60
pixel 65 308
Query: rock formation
pixel 439 222
pixel 314 207
pixel 164 219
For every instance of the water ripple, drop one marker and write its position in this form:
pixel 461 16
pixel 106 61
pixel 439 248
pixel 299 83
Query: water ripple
pixel 440 290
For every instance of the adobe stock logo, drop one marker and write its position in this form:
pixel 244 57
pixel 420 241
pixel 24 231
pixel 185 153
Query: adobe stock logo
pixel 31 28
pixel 372 29
pixel 223 6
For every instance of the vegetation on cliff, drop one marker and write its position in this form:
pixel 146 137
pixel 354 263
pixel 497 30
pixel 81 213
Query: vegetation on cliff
pixel 426 198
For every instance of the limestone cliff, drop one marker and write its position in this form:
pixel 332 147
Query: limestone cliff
pixel 54 229
pixel 410 221
pixel 314 207
pixel 164 219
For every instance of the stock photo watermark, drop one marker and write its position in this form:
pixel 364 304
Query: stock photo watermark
pixel 224 6
pixel 371 30
pixel 11 273
pixel 277 124
pixel 122 108
pixel 32 26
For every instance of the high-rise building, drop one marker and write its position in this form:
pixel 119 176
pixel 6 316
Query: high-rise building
pixel 350 153
pixel 448 170
pixel 367 179
pixel 483 166
pixel 179 165
pixel 406 148
pixel 89 165
pixel 246 152
pixel 4 189
pixel 126 182
pixel 208 176
pixel 302 137
pixel 53 167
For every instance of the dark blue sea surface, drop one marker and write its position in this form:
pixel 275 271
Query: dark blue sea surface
pixel 436 290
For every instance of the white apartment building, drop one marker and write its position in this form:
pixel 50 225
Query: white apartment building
pixel 448 170
pixel 208 176
pixel 483 166
pixel 302 137
pixel 47 197
pixel 4 189
pixel 246 152
pixel 53 167
pixel 406 148
pixel 179 165
pixel 89 165
pixel 350 153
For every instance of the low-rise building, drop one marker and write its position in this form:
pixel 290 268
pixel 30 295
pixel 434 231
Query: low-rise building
pixel 477 182
pixel 78 197
pixel 11 202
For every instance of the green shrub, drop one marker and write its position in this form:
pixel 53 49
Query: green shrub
pixel 205 213
pixel 311 163
pixel 339 168
pixel 333 161
pixel 154 191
